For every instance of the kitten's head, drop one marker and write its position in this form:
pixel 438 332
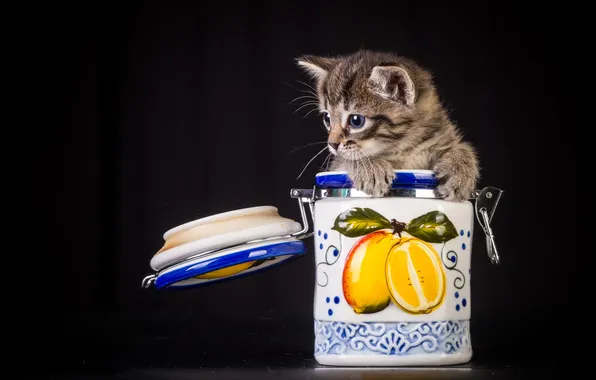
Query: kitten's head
pixel 371 101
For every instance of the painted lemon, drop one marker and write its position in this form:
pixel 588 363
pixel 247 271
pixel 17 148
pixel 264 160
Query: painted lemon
pixel 364 284
pixel 227 271
pixel 415 276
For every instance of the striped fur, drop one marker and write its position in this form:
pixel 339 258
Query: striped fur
pixel 406 125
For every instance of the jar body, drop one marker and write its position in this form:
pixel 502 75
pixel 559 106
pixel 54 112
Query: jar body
pixel 392 281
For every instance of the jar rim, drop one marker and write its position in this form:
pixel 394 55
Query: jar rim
pixel 414 171
pixel 403 179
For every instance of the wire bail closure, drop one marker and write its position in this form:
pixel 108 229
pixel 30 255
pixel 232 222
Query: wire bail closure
pixel 486 201
pixel 485 205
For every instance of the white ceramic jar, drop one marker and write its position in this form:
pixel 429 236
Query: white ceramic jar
pixel 393 273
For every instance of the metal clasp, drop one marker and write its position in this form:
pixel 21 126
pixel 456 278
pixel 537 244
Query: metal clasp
pixel 304 196
pixel 148 281
pixel 486 203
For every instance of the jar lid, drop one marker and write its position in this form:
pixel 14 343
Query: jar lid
pixel 226 245
pixel 410 179
pixel 230 263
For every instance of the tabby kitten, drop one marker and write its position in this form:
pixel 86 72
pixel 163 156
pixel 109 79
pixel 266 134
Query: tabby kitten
pixel 382 112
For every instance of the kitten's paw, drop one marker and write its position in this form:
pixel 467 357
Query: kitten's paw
pixel 374 181
pixel 454 187
pixel 449 193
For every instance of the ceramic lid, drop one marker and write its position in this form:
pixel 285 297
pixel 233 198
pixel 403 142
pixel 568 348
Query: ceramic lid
pixel 226 245
pixel 418 179
pixel 230 263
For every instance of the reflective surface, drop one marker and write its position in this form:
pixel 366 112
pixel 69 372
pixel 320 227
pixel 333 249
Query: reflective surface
pixel 161 346
pixel 308 371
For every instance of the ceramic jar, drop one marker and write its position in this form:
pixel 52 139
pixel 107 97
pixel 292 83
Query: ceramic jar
pixel 392 273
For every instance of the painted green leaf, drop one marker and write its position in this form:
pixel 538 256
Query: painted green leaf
pixel 432 227
pixel 359 221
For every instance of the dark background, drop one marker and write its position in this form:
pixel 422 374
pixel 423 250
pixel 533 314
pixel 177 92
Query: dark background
pixel 150 116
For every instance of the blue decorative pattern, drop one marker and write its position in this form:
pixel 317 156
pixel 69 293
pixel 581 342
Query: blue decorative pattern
pixel 450 260
pixel 403 338
pixel 331 257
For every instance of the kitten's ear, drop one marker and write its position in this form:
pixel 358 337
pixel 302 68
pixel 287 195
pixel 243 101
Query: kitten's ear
pixel 392 82
pixel 317 67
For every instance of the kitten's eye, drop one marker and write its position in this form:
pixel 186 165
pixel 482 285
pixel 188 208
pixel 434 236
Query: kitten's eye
pixel 327 119
pixel 357 121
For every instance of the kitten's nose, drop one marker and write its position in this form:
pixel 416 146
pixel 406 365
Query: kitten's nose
pixel 334 145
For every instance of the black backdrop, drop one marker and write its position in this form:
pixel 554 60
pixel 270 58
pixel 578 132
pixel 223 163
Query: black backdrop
pixel 149 116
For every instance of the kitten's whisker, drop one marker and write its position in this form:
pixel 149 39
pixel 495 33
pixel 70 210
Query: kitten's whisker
pixel 310 102
pixel 309 112
pixel 326 160
pixel 304 96
pixel 365 154
pixel 304 91
pixel 306 105
pixel 308 92
pixel 307 85
pixel 329 160
pixel 308 163
pixel 305 145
